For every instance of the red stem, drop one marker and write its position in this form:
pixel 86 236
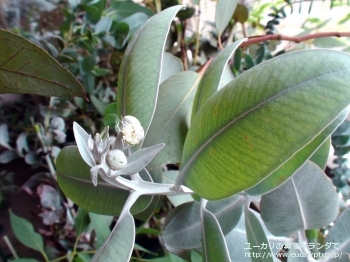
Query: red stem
pixel 296 39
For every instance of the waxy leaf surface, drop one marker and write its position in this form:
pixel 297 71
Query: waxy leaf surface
pixel 27 69
pixel 139 74
pixel 312 202
pixel 185 221
pixel 339 234
pixel 211 80
pixel 256 237
pixel 172 118
pixel 284 172
pixel 213 241
pixel 261 119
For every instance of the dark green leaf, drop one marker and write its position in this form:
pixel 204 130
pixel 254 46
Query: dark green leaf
pixel 81 221
pixel 27 69
pixel 249 62
pixel 237 59
pixel 110 120
pixel 101 225
pixel 25 233
pixel 111 108
pixel 187 13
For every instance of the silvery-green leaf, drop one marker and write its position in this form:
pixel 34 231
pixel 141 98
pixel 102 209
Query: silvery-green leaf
pixel 184 222
pixel 120 243
pixel 238 245
pixel 213 241
pixel 4 136
pixel 312 202
pixel 7 156
pixel 22 144
pixel 139 160
pixel 171 65
pixel 82 138
pixel 169 177
pixel 211 80
pixel 257 238
pixel 139 74
pixel 101 224
pixel 224 12
pixel 339 234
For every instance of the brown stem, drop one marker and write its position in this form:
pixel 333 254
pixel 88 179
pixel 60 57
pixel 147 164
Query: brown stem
pixel 296 39
pixel 183 46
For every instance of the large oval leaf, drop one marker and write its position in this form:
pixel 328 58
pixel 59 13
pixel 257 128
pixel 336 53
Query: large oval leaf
pixel 261 119
pixel 184 229
pixel 211 79
pixel 139 74
pixel 312 202
pixel 73 176
pixel 172 118
pixel 214 245
pixel 120 243
pixel 256 238
pixel 224 12
pixel 27 69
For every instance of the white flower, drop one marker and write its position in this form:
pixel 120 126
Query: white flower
pixel 132 130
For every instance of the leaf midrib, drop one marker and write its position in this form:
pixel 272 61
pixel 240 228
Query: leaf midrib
pixel 86 181
pixel 245 113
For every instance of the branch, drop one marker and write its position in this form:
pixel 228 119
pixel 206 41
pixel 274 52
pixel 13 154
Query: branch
pixel 296 39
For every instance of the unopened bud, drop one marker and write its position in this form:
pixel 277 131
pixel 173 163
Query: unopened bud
pixel 132 130
pixel 116 159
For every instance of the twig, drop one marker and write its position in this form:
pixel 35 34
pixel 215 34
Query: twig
pixel 196 51
pixel 296 39
pixel 9 245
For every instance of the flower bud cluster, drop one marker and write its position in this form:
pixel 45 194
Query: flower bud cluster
pixel 106 153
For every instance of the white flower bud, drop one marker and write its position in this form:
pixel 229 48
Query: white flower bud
pixel 116 159
pixel 132 130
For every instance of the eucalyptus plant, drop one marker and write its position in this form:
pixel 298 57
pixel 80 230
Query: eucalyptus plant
pixel 264 136
pixel 258 142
